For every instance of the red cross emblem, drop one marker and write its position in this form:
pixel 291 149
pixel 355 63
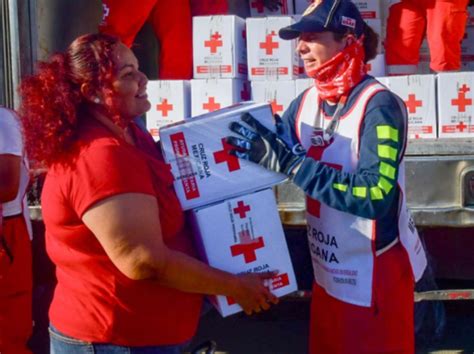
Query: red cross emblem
pixel 164 107
pixel 245 93
pixel 275 106
pixel 214 42
pixel 241 209
pixel 461 126
pixel 247 246
pixel 269 45
pixel 211 104
pixel 412 103
pixel 224 156
pixel 258 4
pixel 462 102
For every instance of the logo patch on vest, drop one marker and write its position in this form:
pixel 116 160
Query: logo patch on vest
pixel 320 138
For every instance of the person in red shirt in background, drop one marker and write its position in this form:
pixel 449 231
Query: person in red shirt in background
pixel 171 22
pixel 127 274
pixel 16 281
pixel 443 22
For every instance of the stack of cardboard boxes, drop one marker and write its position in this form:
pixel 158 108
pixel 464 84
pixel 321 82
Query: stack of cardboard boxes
pixel 237 60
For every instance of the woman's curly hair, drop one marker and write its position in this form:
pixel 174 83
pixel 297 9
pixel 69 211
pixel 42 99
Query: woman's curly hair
pixel 52 101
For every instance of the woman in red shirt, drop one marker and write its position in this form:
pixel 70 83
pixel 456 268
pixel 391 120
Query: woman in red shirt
pixel 126 270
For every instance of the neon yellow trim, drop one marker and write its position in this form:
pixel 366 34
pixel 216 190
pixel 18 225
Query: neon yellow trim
pixel 387 170
pixel 387 152
pixel 360 192
pixel 376 193
pixel 340 187
pixel 385 185
pixel 387 132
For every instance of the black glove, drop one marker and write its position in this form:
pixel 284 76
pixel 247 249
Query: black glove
pixel 264 147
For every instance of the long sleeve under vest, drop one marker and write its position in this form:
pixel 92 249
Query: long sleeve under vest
pixel 382 143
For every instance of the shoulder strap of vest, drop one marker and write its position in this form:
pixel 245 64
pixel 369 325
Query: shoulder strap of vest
pixel 307 110
pixel 360 105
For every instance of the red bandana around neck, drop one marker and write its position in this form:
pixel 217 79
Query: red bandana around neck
pixel 340 74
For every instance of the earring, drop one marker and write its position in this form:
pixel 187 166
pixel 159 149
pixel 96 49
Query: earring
pixel 97 100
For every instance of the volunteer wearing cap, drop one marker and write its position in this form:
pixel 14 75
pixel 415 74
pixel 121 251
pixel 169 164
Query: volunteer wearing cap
pixel 128 279
pixel 443 22
pixel 343 144
pixel 15 246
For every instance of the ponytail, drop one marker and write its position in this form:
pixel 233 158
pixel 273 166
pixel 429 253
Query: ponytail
pixel 49 111
pixel 371 41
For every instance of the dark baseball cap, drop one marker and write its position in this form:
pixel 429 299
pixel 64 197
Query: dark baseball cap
pixel 337 16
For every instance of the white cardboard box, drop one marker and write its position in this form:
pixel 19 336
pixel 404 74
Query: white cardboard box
pixel 212 94
pixel 278 93
pixel 419 94
pixel 170 102
pixel 198 154
pixel 369 8
pixel 243 235
pixel 376 67
pixel 455 105
pixel 269 56
pixel 302 84
pixel 257 8
pixel 219 49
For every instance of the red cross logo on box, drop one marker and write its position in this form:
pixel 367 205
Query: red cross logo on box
pixel 258 5
pixel 275 106
pixel 224 156
pixel 462 102
pixel 247 246
pixel 461 126
pixel 269 44
pixel 214 42
pixel 211 104
pixel 412 103
pixel 241 209
pixel 164 107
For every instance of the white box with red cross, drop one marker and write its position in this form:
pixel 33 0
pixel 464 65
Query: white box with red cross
pixel 455 105
pixel 219 49
pixel 212 94
pixel 170 102
pixel 257 8
pixel 269 56
pixel 278 93
pixel 204 171
pixel 376 67
pixel 302 84
pixel 369 9
pixel 245 235
pixel 419 94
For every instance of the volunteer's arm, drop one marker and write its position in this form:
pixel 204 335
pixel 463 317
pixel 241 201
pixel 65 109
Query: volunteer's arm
pixel 10 155
pixel 370 191
pixel 9 177
pixel 134 243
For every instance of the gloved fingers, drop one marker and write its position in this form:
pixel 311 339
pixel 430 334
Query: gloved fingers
pixel 244 155
pixel 256 125
pixel 239 143
pixel 280 127
pixel 238 128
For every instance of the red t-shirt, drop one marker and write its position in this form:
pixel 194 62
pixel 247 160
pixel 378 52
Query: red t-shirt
pixel 93 300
